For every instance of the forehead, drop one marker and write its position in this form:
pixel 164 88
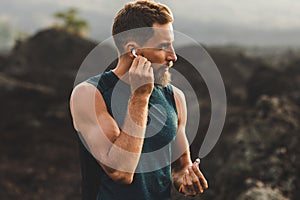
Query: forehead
pixel 162 34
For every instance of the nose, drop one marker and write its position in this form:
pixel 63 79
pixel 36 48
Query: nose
pixel 171 55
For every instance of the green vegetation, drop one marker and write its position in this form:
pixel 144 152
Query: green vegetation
pixel 71 22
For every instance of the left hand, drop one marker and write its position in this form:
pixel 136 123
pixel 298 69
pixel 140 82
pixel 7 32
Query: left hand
pixel 193 181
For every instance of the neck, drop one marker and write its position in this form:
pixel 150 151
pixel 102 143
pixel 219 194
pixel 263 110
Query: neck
pixel 123 66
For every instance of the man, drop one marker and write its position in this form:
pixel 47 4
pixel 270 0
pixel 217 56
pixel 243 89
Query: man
pixel 131 119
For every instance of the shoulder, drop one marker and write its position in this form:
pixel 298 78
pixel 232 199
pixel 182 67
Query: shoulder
pixel 180 104
pixel 82 90
pixel 85 102
pixel 178 94
pixel 85 96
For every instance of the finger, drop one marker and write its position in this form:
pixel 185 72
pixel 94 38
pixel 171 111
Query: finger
pixel 140 69
pixel 189 181
pixel 150 70
pixel 195 180
pixel 135 63
pixel 186 189
pixel 142 61
pixel 199 174
pixel 147 65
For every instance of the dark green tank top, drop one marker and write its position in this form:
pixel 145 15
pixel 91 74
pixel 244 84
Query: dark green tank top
pixel 152 180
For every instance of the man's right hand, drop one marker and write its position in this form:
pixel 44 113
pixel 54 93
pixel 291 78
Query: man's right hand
pixel 141 77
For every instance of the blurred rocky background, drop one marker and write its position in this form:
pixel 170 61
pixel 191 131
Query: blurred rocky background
pixel 257 156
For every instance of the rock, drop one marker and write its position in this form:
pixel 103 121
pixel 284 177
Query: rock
pixel 279 110
pixel 262 193
pixel 265 148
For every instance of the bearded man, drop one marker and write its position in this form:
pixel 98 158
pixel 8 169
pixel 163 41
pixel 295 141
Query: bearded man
pixel 131 120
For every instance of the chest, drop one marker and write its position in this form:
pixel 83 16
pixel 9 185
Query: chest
pixel 162 114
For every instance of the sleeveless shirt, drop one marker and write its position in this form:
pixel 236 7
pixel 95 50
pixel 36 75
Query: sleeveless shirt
pixel 152 180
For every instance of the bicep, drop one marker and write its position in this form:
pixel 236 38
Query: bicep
pixel 91 119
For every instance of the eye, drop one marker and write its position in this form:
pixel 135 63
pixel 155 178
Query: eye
pixel 164 46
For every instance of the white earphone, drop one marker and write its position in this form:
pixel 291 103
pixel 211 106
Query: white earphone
pixel 133 51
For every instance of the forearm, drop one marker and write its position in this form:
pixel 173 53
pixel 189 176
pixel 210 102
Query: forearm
pixel 126 148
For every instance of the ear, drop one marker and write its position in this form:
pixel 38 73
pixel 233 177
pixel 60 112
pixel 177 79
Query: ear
pixel 129 46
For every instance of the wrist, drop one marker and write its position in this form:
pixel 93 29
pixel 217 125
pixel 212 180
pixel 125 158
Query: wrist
pixel 143 91
pixel 140 97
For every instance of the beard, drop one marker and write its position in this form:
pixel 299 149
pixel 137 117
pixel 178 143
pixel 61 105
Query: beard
pixel 162 77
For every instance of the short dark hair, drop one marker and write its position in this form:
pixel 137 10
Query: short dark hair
pixel 136 15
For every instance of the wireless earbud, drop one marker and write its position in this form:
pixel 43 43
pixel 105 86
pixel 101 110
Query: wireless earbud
pixel 133 52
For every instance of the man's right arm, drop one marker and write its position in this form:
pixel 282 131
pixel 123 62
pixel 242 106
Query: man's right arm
pixel 117 151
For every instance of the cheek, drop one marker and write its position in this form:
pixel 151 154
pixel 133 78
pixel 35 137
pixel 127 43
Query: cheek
pixel 157 58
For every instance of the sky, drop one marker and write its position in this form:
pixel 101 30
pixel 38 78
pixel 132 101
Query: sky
pixel 211 22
